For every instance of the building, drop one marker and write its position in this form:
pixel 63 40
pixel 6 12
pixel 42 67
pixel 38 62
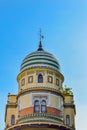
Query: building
pixel 42 102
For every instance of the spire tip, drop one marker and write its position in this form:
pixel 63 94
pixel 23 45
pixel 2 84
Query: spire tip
pixel 40 43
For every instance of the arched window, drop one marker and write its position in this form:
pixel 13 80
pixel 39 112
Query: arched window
pixel 67 120
pixel 40 78
pixel 43 106
pixel 12 119
pixel 36 106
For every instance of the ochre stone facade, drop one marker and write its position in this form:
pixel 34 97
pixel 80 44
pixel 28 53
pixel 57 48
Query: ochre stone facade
pixel 41 101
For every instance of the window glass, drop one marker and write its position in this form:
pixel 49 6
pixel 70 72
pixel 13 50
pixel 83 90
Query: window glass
pixel 43 102
pixel 39 106
pixel 67 120
pixel 36 106
pixel 40 78
pixel 43 106
pixel 36 102
pixel 13 120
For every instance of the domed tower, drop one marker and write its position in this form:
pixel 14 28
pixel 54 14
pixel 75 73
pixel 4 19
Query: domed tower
pixel 40 102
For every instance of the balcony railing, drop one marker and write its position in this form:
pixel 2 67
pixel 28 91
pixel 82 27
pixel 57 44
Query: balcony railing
pixel 40 117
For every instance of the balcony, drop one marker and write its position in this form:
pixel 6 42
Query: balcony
pixel 40 117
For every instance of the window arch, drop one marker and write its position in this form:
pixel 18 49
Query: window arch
pixel 36 106
pixel 67 120
pixel 40 78
pixel 43 106
pixel 12 119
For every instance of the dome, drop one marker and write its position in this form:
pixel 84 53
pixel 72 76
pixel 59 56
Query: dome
pixel 40 58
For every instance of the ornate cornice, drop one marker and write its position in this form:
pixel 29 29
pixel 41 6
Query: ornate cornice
pixel 40 88
pixel 39 125
pixel 70 105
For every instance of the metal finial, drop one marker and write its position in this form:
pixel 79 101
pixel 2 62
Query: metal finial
pixel 40 43
pixel 41 36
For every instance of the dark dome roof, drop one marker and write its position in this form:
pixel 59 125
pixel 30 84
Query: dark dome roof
pixel 40 58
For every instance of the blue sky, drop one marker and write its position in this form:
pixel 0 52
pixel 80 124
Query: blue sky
pixel 64 26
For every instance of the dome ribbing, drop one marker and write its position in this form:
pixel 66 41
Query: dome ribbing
pixel 40 58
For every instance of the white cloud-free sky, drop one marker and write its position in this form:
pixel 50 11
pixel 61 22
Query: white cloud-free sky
pixel 64 26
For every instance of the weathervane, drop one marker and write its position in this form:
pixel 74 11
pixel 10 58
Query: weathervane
pixel 41 36
pixel 40 44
